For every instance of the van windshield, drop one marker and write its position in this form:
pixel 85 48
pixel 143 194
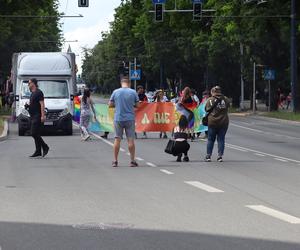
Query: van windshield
pixel 51 89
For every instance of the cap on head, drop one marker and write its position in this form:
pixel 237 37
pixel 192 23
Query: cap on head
pixel 216 90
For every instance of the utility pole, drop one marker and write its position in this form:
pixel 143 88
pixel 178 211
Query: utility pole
pixel 294 84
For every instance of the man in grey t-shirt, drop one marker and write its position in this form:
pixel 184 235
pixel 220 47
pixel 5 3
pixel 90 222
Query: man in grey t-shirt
pixel 124 100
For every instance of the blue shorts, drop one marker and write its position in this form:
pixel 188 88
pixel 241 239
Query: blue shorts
pixel 128 126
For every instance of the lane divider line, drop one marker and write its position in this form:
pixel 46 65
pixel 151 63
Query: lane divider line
pixel 151 164
pixel 166 171
pixel 275 213
pixel 139 159
pixel 279 159
pixel 204 187
pixel 238 149
pixel 259 154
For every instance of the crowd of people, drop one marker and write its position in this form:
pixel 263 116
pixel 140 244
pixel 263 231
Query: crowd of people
pixel 125 100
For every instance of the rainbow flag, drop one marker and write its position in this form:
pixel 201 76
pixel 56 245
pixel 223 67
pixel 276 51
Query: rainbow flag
pixel 76 116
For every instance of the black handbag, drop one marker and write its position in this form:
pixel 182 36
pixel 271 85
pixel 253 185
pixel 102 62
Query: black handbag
pixel 170 146
pixel 205 118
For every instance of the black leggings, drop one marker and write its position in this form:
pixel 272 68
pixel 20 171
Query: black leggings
pixel 36 126
pixel 181 147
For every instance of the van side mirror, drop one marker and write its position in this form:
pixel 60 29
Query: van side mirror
pixel 72 97
pixel 16 98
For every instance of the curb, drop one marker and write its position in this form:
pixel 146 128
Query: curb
pixel 4 135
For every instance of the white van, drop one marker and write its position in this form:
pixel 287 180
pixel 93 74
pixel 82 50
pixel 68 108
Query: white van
pixel 56 75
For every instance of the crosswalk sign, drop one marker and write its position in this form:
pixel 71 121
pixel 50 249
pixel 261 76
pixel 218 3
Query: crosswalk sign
pixel 135 74
pixel 269 74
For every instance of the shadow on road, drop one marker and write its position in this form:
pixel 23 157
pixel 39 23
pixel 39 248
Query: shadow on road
pixel 24 236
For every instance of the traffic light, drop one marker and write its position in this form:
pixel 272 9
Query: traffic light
pixel 159 12
pixel 197 11
pixel 83 3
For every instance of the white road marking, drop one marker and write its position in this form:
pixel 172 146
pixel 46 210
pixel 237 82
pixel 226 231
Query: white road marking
pixel 238 149
pixel 166 171
pixel 263 132
pixel 282 160
pixel 275 213
pixel 139 159
pixel 259 154
pixel 251 129
pixel 204 187
pixel 151 164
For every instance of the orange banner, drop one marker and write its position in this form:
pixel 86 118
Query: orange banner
pixel 155 117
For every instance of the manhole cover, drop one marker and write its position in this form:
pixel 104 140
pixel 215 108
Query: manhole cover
pixel 276 142
pixel 10 186
pixel 102 226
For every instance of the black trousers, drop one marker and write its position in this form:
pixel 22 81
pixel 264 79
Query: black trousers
pixel 181 147
pixel 36 127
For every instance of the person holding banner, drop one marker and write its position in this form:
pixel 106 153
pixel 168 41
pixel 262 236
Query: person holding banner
pixel 124 100
pixel 142 98
pixel 85 113
pixel 185 106
pixel 218 122
pixel 160 97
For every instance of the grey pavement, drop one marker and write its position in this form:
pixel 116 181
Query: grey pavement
pixel 74 199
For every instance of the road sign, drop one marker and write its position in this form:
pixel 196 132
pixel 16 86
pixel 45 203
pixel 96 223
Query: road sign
pixel 83 3
pixel 269 74
pixel 135 74
pixel 158 1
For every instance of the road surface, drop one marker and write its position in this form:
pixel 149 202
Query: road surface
pixel 74 199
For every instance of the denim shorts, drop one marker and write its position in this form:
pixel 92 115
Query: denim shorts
pixel 128 126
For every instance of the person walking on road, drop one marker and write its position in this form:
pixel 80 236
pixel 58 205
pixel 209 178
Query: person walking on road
pixel 124 100
pixel 36 108
pixel 85 113
pixel 218 122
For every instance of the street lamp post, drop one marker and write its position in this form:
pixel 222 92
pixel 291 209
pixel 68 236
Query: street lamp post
pixel 294 86
pixel 253 97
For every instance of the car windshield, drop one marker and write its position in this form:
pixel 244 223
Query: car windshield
pixel 51 89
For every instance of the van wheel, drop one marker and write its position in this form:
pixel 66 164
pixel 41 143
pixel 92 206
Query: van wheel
pixel 21 132
pixel 69 131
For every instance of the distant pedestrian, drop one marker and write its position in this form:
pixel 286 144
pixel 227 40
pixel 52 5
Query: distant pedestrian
pixel 36 108
pixel 125 100
pixel 142 98
pixel 288 100
pixel 181 135
pixel 218 122
pixel 86 106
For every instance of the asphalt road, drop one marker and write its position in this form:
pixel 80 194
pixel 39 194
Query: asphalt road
pixel 74 199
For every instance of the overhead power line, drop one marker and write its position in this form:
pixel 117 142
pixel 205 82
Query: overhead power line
pixel 42 17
